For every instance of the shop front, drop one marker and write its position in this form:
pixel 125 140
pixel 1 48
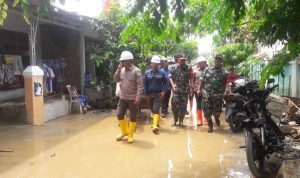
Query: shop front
pixel 60 52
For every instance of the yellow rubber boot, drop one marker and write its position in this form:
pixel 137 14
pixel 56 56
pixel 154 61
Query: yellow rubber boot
pixel 132 126
pixel 155 123
pixel 124 129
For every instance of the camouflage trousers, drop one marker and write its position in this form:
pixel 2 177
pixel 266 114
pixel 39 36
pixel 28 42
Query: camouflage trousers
pixel 179 104
pixel 212 106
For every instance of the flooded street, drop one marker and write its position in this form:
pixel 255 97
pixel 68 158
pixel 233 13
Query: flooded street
pixel 85 146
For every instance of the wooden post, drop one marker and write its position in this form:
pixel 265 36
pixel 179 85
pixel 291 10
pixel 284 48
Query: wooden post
pixel 34 99
pixel 82 60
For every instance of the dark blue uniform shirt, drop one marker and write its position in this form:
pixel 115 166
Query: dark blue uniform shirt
pixel 167 72
pixel 155 81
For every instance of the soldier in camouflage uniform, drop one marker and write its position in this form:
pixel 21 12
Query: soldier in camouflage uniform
pixel 213 84
pixel 181 84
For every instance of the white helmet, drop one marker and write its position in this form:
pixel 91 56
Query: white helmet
pixel 200 59
pixel 155 59
pixel 240 82
pixel 126 55
pixel 171 60
pixel 163 58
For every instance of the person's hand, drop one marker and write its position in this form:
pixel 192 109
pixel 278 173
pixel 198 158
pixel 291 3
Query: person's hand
pixel 199 93
pixel 227 91
pixel 173 88
pixel 162 95
pixel 120 66
pixel 191 92
pixel 137 101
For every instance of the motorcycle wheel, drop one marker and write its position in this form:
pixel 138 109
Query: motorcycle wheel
pixel 234 124
pixel 255 155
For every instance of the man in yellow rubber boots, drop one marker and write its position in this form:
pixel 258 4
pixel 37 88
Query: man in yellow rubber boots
pixel 131 87
pixel 198 72
pixel 155 86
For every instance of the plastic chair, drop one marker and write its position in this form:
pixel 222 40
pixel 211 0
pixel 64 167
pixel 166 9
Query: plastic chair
pixel 75 101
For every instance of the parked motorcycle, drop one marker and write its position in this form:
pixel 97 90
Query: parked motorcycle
pixel 235 112
pixel 262 135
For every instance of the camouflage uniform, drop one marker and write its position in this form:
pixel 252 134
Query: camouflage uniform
pixel 181 76
pixel 214 84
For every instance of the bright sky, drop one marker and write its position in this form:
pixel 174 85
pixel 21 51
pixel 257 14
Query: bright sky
pixel 90 8
pixel 205 44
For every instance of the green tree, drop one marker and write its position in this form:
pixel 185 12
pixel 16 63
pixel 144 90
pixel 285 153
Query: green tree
pixel 234 54
pixel 42 7
pixel 265 21
pixel 245 68
pixel 119 32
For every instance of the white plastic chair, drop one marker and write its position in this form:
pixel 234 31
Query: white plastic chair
pixel 75 101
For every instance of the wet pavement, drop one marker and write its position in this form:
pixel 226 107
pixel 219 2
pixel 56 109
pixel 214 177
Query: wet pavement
pixel 85 146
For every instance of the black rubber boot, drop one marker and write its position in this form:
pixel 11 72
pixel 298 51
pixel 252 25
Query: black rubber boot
pixel 210 126
pixel 181 121
pixel 181 116
pixel 217 122
pixel 174 123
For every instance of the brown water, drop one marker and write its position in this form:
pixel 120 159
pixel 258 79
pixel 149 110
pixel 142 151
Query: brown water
pixel 84 146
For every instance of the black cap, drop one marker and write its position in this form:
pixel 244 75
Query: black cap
pixel 219 58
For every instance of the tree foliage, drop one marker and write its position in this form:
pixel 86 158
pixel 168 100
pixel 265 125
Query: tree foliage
pixel 265 21
pixel 42 7
pixel 118 32
pixel 245 68
pixel 234 54
pixel 3 11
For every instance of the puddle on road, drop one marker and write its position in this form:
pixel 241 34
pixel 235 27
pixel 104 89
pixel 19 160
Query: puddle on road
pixel 76 146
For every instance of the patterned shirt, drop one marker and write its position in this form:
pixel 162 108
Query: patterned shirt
pixel 131 82
pixel 214 81
pixel 181 76
pixel 197 76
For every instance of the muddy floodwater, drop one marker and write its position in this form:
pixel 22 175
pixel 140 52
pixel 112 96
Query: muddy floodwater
pixel 85 146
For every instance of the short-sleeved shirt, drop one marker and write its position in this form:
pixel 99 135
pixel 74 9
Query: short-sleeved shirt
pixel 214 81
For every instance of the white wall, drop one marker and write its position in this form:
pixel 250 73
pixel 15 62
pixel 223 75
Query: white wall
pixel 270 50
pixel 55 109
pixel 10 94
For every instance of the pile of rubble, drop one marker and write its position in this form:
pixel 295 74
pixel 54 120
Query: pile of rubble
pixel 290 127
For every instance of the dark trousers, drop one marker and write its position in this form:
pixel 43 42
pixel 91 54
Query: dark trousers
pixel 155 103
pixel 123 105
pixel 165 102
pixel 198 101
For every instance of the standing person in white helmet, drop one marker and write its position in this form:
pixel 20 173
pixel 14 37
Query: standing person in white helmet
pixel 131 87
pixel 155 86
pixel 165 102
pixel 198 72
